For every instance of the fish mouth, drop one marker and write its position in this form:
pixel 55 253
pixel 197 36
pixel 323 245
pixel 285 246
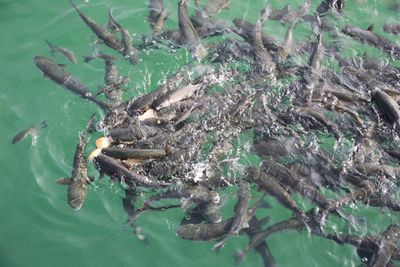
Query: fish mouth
pixel 94 154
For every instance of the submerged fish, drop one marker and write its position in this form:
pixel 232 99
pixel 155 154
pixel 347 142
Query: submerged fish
pixel 77 184
pixel 157 15
pixel 33 131
pixel 65 51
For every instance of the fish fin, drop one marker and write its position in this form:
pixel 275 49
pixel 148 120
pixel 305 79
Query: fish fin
pixel 87 58
pixel 99 42
pixel 265 220
pixel 43 124
pixel 371 27
pixel 240 255
pixel 91 179
pixel 101 175
pixel 64 181
pixel 62 65
pixel 262 203
pixel 219 246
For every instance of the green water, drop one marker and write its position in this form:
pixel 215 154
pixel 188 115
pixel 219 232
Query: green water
pixel 37 228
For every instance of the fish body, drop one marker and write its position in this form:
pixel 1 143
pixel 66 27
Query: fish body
pixel 133 133
pixel 33 131
pixel 77 184
pixel 316 56
pixel 188 34
pixel 176 95
pixel 131 153
pixel 65 51
pixel 114 168
pixel 57 74
pixel 157 15
pixel 393 28
pixel 387 106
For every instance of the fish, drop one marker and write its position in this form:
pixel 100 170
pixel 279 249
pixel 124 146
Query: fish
pixel 133 132
pixel 393 28
pixel 131 153
pixel 188 34
pixel 316 56
pixel 327 5
pixel 176 95
pixel 240 218
pixel 114 168
pixel 278 14
pixel 286 49
pixel 387 106
pixel 77 184
pixel 293 223
pixel 262 57
pixel 373 39
pixel 57 74
pixel 213 7
pixel 298 14
pixel 157 15
pixel 108 38
pixel 33 131
pixel 272 187
pixel 65 51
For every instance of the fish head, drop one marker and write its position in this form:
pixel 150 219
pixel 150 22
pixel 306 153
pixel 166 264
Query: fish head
pixel 77 193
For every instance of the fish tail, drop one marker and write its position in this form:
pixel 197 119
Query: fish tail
pixel 88 58
pixel 48 43
pixel 43 124
pixel 219 246
pixel 240 255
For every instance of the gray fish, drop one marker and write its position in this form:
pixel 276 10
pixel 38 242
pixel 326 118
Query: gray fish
pixel 393 28
pixel 57 74
pixel 316 56
pixel 387 106
pixel 114 168
pixel 327 5
pixel 371 38
pixel 33 131
pixel 133 133
pixel 77 184
pixel 176 95
pixel 286 49
pixel 294 223
pixel 188 34
pixel 240 219
pixel 107 37
pixel 298 14
pixel 213 7
pixel 131 153
pixel 278 14
pixel 157 16
pixel 262 57
pixel 65 51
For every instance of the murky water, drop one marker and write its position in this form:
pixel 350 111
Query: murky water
pixel 37 226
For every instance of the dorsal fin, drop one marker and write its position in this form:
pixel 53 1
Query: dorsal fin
pixel 64 181
pixel 370 28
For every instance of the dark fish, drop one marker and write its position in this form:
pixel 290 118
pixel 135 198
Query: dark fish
pixel 176 95
pixel 114 168
pixel 107 37
pixel 316 56
pixel 240 219
pixel 65 51
pixel 213 7
pixel 262 57
pixel 270 185
pixel 286 49
pixel 131 153
pixel 387 106
pixel 157 16
pixel 294 223
pixel 278 14
pixel 57 74
pixel 246 30
pixel 284 176
pixel 133 132
pixel 327 5
pixel 33 131
pixel 77 184
pixel 298 14
pixel 188 34
pixel 392 28
pixel 371 38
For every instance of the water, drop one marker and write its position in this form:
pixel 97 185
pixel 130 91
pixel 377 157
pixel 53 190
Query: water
pixel 37 226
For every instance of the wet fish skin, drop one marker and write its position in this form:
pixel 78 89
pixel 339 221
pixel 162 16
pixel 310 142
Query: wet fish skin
pixel 65 51
pixel 327 5
pixel 286 49
pixel 157 15
pixel 114 168
pixel 371 38
pixel 57 74
pixel 108 38
pixel 125 153
pixel 133 133
pixel 393 28
pixel 387 106
pixel 316 56
pixel 29 131
pixel 176 95
pixel 77 184
pixel 240 219
pixel 188 34
pixel 213 7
